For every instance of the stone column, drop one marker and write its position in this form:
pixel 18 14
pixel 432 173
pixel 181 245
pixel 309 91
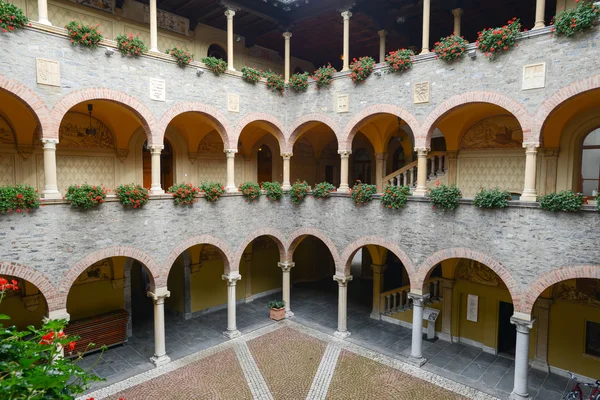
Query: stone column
pixel 520 389
pixel 382 34
pixel 160 355
pixel 377 287
pixel 421 189
pixel 230 187
pixel 344 155
pixel 286 171
pixel 155 154
pixel 153 27
pixel 287 36
pixel 379 159
pixel 346 15
pixel 416 351
pixel 231 279
pixel 447 289
pixel 457 12
pixel 540 362
pixel 540 10
pixel 51 186
pixel 342 330
pixel 426 13
pixel 529 191
pixel 229 14
pixel 286 267
pixel 43 12
pixel 247 257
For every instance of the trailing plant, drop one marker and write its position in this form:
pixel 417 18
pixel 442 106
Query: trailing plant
pixel 299 82
pixel 362 193
pixel 577 19
pixel 324 76
pixel 251 191
pixel 275 82
pixel 323 190
pixel 445 197
pixel 276 304
pixel 361 69
pixel 394 197
pixel 493 41
pixel 212 190
pixel 85 196
pixel 273 191
pixel 216 65
pixel 251 75
pixel 184 193
pixel 130 45
pixel 132 195
pixel 84 35
pixel 11 17
pixel 564 201
pixel 451 48
pixel 491 198
pixel 182 57
pixel 400 60
pixel 299 191
pixel 19 198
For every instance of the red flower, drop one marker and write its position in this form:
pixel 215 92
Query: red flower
pixel 70 346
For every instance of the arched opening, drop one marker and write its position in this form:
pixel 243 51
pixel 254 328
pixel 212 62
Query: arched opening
pixel 262 275
pixel 260 146
pixel 24 306
pixel 167 165
pixel 315 158
pixel 362 165
pixel 216 51
pixel 589 181
pixel 264 164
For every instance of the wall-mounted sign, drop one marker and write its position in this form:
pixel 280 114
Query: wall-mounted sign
pixel 472 307
pixel 158 89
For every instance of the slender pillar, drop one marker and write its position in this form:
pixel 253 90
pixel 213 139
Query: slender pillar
pixel 379 159
pixel 529 191
pixel 286 171
pixel 286 267
pixel 51 186
pixel 230 187
pixel 153 27
pixel 231 279
pixel 155 154
pixel 43 12
pixel 540 362
pixel 447 289
pixel 342 330
pixel 416 351
pixel 426 18
pixel 229 14
pixel 382 34
pixel 160 354
pixel 421 189
pixel 287 36
pixel 346 15
pixel 457 12
pixel 540 10
pixel 520 389
pixel 377 287
pixel 344 155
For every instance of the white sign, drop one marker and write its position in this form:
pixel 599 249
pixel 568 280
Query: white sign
pixel 48 72
pixel 534 76
pixel 421 92
pixel 472 307
pixel 233 102
pixel 158 90
pixel 430 314
pixel 342 103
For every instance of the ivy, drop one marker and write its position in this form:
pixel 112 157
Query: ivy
pixel 362 193
pixel 445 197
pixel 85 196
pixel 564 201
pixel 492 198
pixel 394 197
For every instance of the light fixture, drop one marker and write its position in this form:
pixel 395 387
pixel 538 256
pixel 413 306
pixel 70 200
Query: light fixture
pixel 472 53
pixel 342 57
pixel 90 130
pixel 199 72
pixel 260 149
pixel 108 51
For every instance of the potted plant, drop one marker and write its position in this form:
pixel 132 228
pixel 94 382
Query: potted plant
pixel 493 41
pixel 361 69
pixel 578 19
pixel 182 57
pixel 19 198
pixel 85 196
pixel 400 60
pixel 11 17
pixel 216 65
pixel 362 193
pixel 277 310
pixel 84 35
pixel 299 82
pixel 324 76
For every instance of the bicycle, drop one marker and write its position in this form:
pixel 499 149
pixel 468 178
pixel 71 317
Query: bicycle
pixel 577 394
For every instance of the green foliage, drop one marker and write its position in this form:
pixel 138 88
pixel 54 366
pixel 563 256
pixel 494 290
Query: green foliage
pixel 132 195
pixel 184 193
pixel 182 57
pixel 361 69
pixel 324 76
pixel 451 48
pixel 275 81
pixel 564 201
pixel 130 45
pixel 299 191
pixel 251 75
pixel 575 20
pixel 273 191
pixel 394 197
pixel 216 65
pixel 362 193
pixel 212 190
pixel 323 190
pixel 491 198
pixel 493 41
pixel 400 60
pixel 19 198
pixel 277 304
pixel 251 191
pixel 85 196
pixel 11 17
pixel 84 35
pixel 445 197
pixel 299 82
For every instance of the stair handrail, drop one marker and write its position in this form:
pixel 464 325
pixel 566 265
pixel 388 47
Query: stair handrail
pixel 410 166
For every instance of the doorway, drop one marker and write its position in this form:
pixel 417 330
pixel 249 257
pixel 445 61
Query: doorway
pixel 507 332
pixel 166 166
pixel 362 166
pixel 329 174
pixel 265 164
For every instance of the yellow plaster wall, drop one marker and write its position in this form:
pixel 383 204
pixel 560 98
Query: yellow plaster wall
pixel 266 275
pixel 407 316
pixel 20 316
pixel 208 289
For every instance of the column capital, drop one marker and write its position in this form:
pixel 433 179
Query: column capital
pixel 50 142
pixel 286 266
pixel 457 12
pixel 380 156
pixel 231 278
pixel 156 149
pixel 382 33
pixel 346 15
pixel 422 151
pixel 342 280
pixel 531 147
pixel 452 155
pixel 230 152
pixel 522 325
pixel 229 13
pixel 159 295
pixel 287 35
pixel 418 299
pixel 287 156
pixel 344 153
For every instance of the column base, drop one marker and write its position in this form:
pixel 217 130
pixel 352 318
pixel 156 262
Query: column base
pixel 231 189
pixel 540 366
pixel 156 191
pixel 155 50
pixel 376 316
pixel 420 192
pixel 424 51
pixel 417 362
pixel 343 189
pixel 286 187
pixel 538 25
pixel 289 314
pixel 528 198
pixel 249 299
pixel 52 194
pixel 229 68
pixel 160 360
pixel 44 22
pixel 232 334
pixel 342 335
pixel 515 396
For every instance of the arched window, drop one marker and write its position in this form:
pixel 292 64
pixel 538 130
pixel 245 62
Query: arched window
pixel 362 166
pixel 590 164
pixel 214 50
pixel 265 164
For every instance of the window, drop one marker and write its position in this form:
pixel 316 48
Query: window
pixel 590 164
pixel 217 51
pixel 592 338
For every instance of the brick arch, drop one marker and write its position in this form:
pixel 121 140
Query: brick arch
pixel 223 125
pixel 294 130
pixel 272 121
pixel 221 247
pixel 134 105
pixel 33 102
pixel 296 236
pixel 35 277
pixel 514 107
pixel 543 282
pixel 352 128
pixel 353 247
pixel 488 260
pixel 274 234
pixel 559 98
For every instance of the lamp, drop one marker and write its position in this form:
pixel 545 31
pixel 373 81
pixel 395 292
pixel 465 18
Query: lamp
pixel 90 130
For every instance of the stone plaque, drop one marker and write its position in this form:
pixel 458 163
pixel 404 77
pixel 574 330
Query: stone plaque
pixel 48 72
pixel 421 92
pixel 534 76
pixel 342 103
pixel 472 307
pixel 158 90
pixel 233 102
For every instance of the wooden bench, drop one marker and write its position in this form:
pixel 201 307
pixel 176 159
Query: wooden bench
pixel 107 329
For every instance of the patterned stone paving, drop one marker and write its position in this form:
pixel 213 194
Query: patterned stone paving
pixel 255 380
pixel 320 385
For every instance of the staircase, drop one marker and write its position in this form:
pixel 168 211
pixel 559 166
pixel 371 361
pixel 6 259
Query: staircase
pixel 396 300
pixel 407 175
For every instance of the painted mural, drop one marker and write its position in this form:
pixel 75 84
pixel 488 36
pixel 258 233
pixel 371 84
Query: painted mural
pixel 473 271
pixel 72 133
pixel 497 132
pixel 586 291
pixel 7 135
